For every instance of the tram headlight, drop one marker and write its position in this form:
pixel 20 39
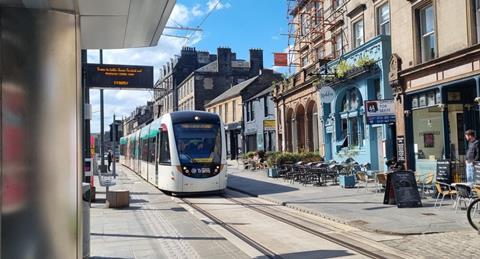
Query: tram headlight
pixel 187 171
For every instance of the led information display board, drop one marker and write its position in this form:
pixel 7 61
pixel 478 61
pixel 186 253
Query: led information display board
pixel 119 76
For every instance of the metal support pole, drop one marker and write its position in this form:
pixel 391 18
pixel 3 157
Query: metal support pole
pixel 86 123
pixel 114 146
pixel 102 144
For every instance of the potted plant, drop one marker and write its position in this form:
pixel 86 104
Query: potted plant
pixel 347 180
pixel 272 164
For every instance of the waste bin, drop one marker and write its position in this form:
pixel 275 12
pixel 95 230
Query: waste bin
pixel 86 219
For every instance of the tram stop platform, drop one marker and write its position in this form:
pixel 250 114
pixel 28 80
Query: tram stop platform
pixel 363 209
pixel 153 226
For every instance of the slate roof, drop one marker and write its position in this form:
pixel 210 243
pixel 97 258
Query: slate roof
pixel 210 67
pixel 233 91
pixel 262 93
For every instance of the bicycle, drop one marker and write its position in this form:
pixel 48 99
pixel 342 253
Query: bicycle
pixel 473 214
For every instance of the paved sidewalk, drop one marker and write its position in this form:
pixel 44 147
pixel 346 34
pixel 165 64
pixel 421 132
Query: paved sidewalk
pixel 154 226
pixel 357 207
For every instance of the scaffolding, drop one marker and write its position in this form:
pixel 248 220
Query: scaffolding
pixel 308 23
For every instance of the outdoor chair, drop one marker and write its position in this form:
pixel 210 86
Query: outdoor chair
pixel 464 194
pixel 380 181
pixel 424 183
pixel 282 170
pixel 443 190
pixel 362 177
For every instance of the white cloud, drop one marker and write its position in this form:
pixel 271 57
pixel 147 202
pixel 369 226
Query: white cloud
pixel 217 5
pixel 197 10
pixel 124 102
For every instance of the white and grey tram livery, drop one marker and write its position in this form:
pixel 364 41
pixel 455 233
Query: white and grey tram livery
pixel 181 152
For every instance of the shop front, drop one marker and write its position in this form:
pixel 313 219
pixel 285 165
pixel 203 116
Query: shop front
pixel 436 119
pixel 269 126
pixel 360 76
pixel 233 132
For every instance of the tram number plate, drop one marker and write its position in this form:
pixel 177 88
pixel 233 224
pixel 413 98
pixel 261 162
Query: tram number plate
pixel 201 170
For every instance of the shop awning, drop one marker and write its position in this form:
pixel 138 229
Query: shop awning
pixel 112 24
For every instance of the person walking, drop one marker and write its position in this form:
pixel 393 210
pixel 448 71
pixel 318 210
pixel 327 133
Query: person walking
pixel 109 158
pixel 473 153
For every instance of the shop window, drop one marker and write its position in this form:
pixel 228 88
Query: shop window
pixel 383 19
pixel 426 36
pixel 351 123
pixel 428 135
pixel 358 33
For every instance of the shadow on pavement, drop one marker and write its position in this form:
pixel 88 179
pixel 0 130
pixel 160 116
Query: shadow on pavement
pixel 256 187
pixel 156 237
pixel 318 254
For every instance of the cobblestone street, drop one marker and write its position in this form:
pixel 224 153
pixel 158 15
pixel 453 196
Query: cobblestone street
pixel 463 244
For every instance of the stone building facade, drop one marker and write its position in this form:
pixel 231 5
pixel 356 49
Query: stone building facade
pixel 207 82
pixel 434 74
pixel 173 73
pixel 343 45
pixel 230 106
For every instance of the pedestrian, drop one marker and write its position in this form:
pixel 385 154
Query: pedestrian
pixel 109 158
pixel 473 153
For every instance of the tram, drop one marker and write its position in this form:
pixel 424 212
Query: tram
pixel 181 152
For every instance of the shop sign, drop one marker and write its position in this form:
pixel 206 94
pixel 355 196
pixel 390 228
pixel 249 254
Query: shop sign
pixel 380 111
pixel 401 148
pixel 269 125
pixel 327 94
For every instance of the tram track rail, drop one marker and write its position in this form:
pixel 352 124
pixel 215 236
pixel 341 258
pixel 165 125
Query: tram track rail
pixel 254 244
pixel 297 225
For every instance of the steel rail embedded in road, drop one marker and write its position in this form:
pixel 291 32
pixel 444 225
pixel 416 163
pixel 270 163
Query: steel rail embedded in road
pixel 330 238
pixel 259 247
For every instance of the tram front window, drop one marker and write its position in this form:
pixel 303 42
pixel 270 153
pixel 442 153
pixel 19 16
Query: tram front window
pixel 198 143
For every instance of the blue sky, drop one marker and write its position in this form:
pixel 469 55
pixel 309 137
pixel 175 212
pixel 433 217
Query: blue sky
pixel 238 24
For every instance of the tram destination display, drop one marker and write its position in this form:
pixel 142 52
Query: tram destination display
pixel 444 172
pixel 118 76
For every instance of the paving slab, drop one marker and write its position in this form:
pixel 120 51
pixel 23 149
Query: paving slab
pixel 361 208
pixel 154 226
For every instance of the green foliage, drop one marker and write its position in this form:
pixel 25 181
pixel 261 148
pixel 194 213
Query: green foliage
pixel 342 68
pixel 364 61
pixel 272 158
pixel 287 157
pixel 250 154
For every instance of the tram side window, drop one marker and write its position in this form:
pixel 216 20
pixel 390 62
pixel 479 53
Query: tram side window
pixel 151 149
pixel 164 148
pixel 145 149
